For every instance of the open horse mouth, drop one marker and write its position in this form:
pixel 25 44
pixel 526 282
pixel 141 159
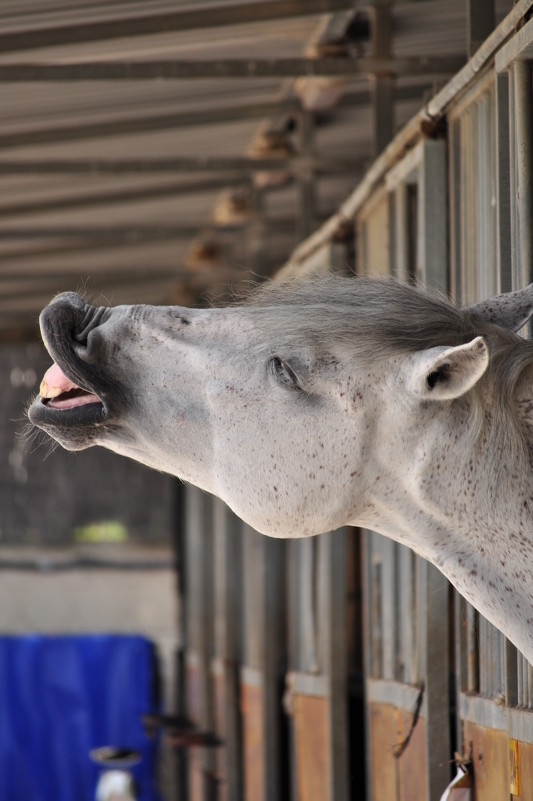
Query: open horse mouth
pixel 59 392
pixel 70 394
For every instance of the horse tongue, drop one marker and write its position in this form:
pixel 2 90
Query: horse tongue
pixel 55 382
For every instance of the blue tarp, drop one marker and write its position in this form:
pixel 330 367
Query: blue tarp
pixel 61 697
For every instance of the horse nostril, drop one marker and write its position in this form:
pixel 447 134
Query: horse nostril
pixel 81 331
pixel 91 320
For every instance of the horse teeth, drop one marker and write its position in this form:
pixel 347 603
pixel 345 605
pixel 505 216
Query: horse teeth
pixel 48 391
pixel 55 382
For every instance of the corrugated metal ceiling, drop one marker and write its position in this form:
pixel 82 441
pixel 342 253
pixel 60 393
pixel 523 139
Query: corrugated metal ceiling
pixel 143 190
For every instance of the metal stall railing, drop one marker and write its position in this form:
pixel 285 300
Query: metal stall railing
pixel 403 231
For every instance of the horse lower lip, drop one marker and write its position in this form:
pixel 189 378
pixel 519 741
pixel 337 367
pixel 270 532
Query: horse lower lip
pixel 82 416
pixel 74 402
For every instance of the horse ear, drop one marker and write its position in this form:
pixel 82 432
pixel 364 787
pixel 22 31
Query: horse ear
pixel 511 310
pixel 447 373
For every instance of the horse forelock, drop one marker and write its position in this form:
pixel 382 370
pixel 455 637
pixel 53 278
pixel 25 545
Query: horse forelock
pixel 377 316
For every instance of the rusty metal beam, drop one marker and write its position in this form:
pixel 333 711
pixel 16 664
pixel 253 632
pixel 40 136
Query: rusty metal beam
pixel 202 15
pixel 170 69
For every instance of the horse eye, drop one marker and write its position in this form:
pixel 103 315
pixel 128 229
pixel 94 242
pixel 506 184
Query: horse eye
pixel 284 374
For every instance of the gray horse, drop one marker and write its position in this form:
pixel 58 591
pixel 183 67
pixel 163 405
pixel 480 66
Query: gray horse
pixel 323 403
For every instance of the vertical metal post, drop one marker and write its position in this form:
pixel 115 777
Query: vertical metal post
pixel 472 634
pixel 367 538
pixel 432 588
pixel 333 555
pixel 199 628
pixel 461 665
pixel 523 129
pixel 306 178
pixel 481 19
pixel 273 653
pixel 511 676
pixel 456 217
pixel 227 532
pixel 256 234
pixel 503 185
pixel 435 658
pixel 433 218
pixel 382 88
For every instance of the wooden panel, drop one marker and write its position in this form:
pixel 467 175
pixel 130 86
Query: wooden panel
pixel 489 756
pixel 253 742
pixel 403 778
pixel 412 765
pixel 525 771
pixel 312 746
pixel 384 737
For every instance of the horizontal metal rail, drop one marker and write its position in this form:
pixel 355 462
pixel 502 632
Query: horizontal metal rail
pixel 200 15
pixel 70 202
pixel 51 565
pixel 228 68
pixel 215 115
pixel 135 233
pixel 243 164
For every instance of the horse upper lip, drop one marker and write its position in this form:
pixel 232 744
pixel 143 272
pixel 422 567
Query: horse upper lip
pixel 65 326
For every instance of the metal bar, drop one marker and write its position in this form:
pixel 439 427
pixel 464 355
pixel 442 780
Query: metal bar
pixel 436 662
pixel 407 617
pixel 28 286
pixel 156 122
pixel 198 117
pixel 99 199
pixel 389 609
pixel 382 82
pixel 227 532
pixel 50 564
pixel 227 68
pixel 382 111
pixel 334 552
pixel 126 233
pixel 503 185
pixel 432 248
pixel 204 15
pixel 273 659
pixel 480 20
pixel 472 649
pixel 511 674
pixel 520 46
pixel 307 179
pixel 130 234
pixel 523 129
pixel 235 164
